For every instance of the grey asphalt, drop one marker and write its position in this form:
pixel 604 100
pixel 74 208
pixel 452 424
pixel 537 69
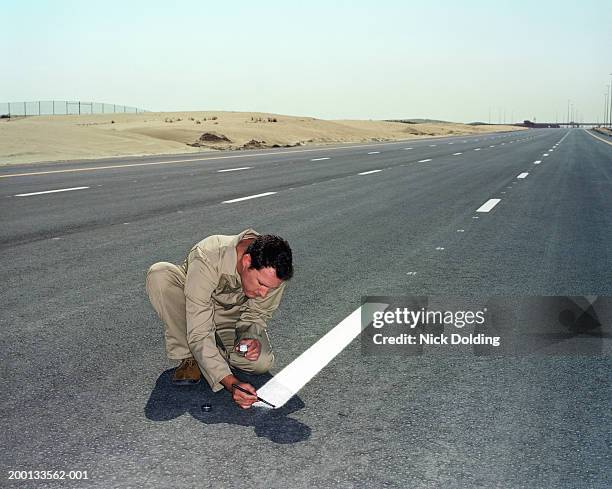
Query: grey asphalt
pixel 85 381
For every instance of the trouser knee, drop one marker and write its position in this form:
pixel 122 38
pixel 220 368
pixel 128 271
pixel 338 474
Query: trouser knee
pixel 260 366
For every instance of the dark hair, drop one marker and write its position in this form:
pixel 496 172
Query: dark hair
pixel 271 251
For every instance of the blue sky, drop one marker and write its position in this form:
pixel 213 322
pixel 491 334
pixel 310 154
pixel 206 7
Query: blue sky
pixel 368 60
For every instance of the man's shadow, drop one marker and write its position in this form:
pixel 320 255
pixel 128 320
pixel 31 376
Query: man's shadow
pixel 169 401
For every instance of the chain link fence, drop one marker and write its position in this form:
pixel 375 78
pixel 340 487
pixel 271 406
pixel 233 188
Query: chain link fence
pixel 62 107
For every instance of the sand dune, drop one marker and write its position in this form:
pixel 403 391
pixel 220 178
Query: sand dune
pixel 58 138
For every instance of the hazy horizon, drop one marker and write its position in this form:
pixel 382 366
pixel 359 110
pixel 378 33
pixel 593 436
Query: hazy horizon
pixel 346 60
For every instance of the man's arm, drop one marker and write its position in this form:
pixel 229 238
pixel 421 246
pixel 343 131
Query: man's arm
pixel 201 281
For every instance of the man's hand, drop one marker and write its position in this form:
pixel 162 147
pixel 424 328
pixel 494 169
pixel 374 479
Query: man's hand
pixel 254 349
pixel 243 399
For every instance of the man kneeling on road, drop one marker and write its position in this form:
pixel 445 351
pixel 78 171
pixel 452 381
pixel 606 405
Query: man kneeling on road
pixel 218 301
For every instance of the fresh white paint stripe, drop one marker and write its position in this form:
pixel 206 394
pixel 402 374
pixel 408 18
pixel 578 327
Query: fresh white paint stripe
pixel 424 161
pixel 51 191
pixel 373 152
pixel 290 380
pixel 488 205
pixel 368 172
pixel 523 175
pixel 537 162
pixel 545 154
pixel 477 149
pixel 319 159
pixel 235 169
pixel 457 154
pixel 248 197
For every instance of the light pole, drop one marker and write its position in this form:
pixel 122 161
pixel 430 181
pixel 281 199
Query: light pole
pixel 605 118
pixel 610 102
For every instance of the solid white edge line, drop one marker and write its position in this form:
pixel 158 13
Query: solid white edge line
pixel 51 191
pixel 488 205
pixel 247 197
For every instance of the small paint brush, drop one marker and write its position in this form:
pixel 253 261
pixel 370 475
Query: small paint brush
pixel 236 386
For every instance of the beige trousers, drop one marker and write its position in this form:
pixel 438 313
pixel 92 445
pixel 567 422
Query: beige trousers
pixel 165 286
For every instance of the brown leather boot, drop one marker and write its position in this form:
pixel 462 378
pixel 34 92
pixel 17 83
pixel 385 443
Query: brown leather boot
pixel 187 373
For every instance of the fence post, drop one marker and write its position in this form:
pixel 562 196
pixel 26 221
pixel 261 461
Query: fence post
pixel 79 107
pixel 39 107
pixel 25 111
pixel 53 102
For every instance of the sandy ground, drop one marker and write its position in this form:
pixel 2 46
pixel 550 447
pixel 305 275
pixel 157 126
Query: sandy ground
pixel 59 138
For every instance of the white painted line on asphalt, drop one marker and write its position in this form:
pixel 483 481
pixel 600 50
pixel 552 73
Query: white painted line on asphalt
pixel 424 161
pixel 591 134
pixel 461 230
pixel 457 154
pixel 407 148
pixel 432 145
pixel 545 154
pixel 235 169
pixel 51 191
pixel 290 380
pixel 439 248
pixel 450 143
pixel 537 162
pixel 523 175
pixel 488 205
pixel 492 146
pixel 368 172
pixel 248 197
pixel 477 149
pixel 319 159
pixel 373 152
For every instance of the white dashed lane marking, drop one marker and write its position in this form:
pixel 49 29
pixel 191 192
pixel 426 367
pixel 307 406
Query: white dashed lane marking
pixel 424 161
pixel 51 191
pixel 248 197
pixel 368 172
pixel 319 159
pixel 235 169
pixel 523 175
pixel 488 205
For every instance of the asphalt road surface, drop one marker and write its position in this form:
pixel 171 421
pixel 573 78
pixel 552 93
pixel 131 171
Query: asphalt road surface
pixel 85 382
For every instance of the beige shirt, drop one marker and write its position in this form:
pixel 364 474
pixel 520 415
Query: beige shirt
pixel 215 300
